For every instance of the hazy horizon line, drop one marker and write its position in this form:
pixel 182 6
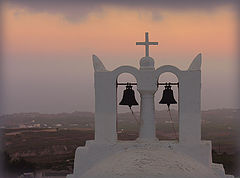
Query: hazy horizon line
pixel 36 112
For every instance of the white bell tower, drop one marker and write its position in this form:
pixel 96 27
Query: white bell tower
pixel 108 157
pixel 147 85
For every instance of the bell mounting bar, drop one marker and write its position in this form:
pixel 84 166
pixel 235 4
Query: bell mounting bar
pixel 128 83
pixel 163 83
pixel 168 83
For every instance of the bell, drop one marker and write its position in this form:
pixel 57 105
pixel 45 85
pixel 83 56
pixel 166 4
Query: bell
pixel 128 97
pixel 168 97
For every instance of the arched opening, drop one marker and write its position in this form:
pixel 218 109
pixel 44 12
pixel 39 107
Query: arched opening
pixel 127 122
pixel 167 121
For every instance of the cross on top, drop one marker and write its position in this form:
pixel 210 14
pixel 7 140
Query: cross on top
pixel 146 43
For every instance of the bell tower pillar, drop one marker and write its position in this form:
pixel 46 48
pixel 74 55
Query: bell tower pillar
pixel 147 119
pixel 147 86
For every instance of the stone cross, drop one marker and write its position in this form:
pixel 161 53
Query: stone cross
pixel 146 43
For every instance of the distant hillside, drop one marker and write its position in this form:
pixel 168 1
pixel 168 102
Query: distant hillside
pixel 46 120
pixel 49 141
pixel 219 118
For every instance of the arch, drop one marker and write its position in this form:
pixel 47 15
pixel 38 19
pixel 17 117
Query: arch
pixel 168 68
pixel 173 118
pixel 126 69
pixel 131 132
pixel 175 80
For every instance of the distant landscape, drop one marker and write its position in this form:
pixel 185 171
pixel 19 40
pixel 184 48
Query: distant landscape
pixel 35 141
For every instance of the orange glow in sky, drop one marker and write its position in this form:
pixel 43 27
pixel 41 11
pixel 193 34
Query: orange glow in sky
pixel 47 56
pixel 118 29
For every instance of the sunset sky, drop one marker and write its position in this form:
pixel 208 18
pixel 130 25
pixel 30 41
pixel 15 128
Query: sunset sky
pixel 47 48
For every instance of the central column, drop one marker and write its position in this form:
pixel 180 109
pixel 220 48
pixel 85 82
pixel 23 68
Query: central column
pixel 147 118
pixel 147 86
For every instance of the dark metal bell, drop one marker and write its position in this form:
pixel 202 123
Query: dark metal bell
pixel 128 97
pixel 168 97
